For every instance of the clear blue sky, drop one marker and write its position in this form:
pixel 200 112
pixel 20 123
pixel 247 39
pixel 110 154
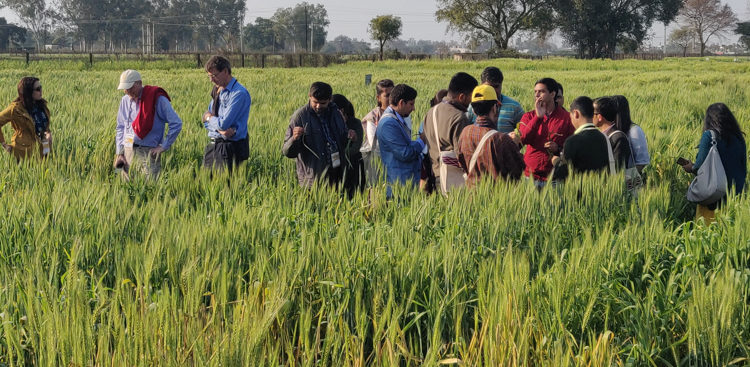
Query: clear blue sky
pixel 351 17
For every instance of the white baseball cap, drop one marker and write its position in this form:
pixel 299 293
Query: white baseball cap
pixel 127 78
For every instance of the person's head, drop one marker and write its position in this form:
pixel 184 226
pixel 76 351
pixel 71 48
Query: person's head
pixel 545 89
pixel 130 82
pixel 720 119
pixel 581 111
pixel 484 102
pixel 559 97
pixel 320 96
pixel 622 121
pixel 402 99
pixel 493 77
pixel 438 97
pixel 605 112
pixel 346 107
pixel 383 92
pixel 219 70
pixel 460 88
pixel 30 92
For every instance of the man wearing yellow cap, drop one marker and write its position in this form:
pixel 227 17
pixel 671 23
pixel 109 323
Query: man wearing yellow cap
pixel 482 150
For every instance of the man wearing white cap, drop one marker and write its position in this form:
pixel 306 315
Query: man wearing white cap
pixel 144 114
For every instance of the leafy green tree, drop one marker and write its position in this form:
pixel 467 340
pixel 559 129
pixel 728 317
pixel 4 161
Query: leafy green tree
pixel 35 15
pixel 384 28
pixel 11 34
pixel 261 36
pixel 497 19
pixel 743 29
pixel 707 18
pixel 596 27
pixel 302 26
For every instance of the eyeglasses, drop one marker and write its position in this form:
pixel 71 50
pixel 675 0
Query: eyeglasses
pixel 38 89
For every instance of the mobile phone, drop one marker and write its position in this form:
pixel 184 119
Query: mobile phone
pixel 682 161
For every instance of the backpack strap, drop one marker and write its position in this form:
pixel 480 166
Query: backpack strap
pixel 481 145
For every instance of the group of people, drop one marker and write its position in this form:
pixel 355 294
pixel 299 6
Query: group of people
pixel 471 131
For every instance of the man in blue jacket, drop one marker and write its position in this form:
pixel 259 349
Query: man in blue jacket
pixel 401 156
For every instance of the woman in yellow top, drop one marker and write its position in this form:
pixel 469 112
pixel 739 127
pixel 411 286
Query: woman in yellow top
pixel 29 117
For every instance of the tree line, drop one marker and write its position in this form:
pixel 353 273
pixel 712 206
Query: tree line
pixel 595 28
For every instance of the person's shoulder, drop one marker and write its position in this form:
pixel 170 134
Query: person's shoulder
pixel 300 111
pixel 509 101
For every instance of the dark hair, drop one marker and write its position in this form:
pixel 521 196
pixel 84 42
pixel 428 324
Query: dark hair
pixel 402 92
pixel 26 91
pixel 380 87
pixel 461 83
pixel 606 107
pixel 720 119
pixel 492 75
pixel 584 105
pixel 549 83
pixel 218 63
pixel 321 91
pixel 622 121
pixel 343 104
pixel 483 108
pixel 438 97
pixel 560 89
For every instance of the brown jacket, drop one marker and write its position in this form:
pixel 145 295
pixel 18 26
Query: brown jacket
pixel 451 120
pixel 24 134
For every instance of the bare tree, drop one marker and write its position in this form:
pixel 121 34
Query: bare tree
pixel 707 18
pixel 682 37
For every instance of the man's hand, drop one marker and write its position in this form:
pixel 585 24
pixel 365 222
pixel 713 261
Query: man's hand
pixel 688 167
pixel 516 139
pixel 154 152
pixel 228 133
pixel 541 108
pixel 552 147
pixel 120 161
pixel 206 116
pixel 555 159
pixel 7 147
pixel 297 132
pixel 352 135
pixel 48 135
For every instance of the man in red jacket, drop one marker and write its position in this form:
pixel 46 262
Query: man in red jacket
pixel 544 131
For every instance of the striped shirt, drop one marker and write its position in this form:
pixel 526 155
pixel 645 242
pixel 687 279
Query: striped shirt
pixel 500 156
pixel 510 114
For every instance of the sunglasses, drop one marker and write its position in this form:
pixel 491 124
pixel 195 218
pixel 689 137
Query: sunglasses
pixel 38 89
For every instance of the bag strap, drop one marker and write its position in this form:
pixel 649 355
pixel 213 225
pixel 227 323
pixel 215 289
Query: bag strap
pixel 481 145
pixel 713 137
pixel 611 156
pixel 632 157
pixel 434 127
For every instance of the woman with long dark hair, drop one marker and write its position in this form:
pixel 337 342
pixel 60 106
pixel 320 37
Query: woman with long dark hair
pixel 636 136
pixel 730 142
pixel 29 117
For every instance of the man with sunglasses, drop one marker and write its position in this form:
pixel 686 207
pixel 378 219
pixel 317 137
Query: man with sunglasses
pixel 143 117
pixel 510 112
pixel 226 118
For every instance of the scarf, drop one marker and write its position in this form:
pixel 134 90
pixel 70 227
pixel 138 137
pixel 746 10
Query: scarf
pixel 144 122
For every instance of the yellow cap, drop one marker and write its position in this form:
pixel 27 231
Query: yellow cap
pixel 483 93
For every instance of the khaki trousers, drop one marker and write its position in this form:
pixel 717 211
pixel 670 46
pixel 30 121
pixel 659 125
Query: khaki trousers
pixel 140 160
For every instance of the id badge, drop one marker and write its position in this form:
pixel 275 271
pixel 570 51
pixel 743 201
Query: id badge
pixel 129 139
pixel 335 160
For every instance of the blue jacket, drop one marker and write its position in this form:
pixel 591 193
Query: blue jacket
pixel 401 157
pixel 733 158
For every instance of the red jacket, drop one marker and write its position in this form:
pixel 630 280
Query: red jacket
pixel 144 121
pixel 535 132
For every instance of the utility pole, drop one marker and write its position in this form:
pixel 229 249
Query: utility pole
pixel 306 25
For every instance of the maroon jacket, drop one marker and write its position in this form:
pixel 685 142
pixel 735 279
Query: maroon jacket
pixel 535 132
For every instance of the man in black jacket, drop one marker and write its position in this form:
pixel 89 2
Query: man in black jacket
pixel 586 150
pixel 317 138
